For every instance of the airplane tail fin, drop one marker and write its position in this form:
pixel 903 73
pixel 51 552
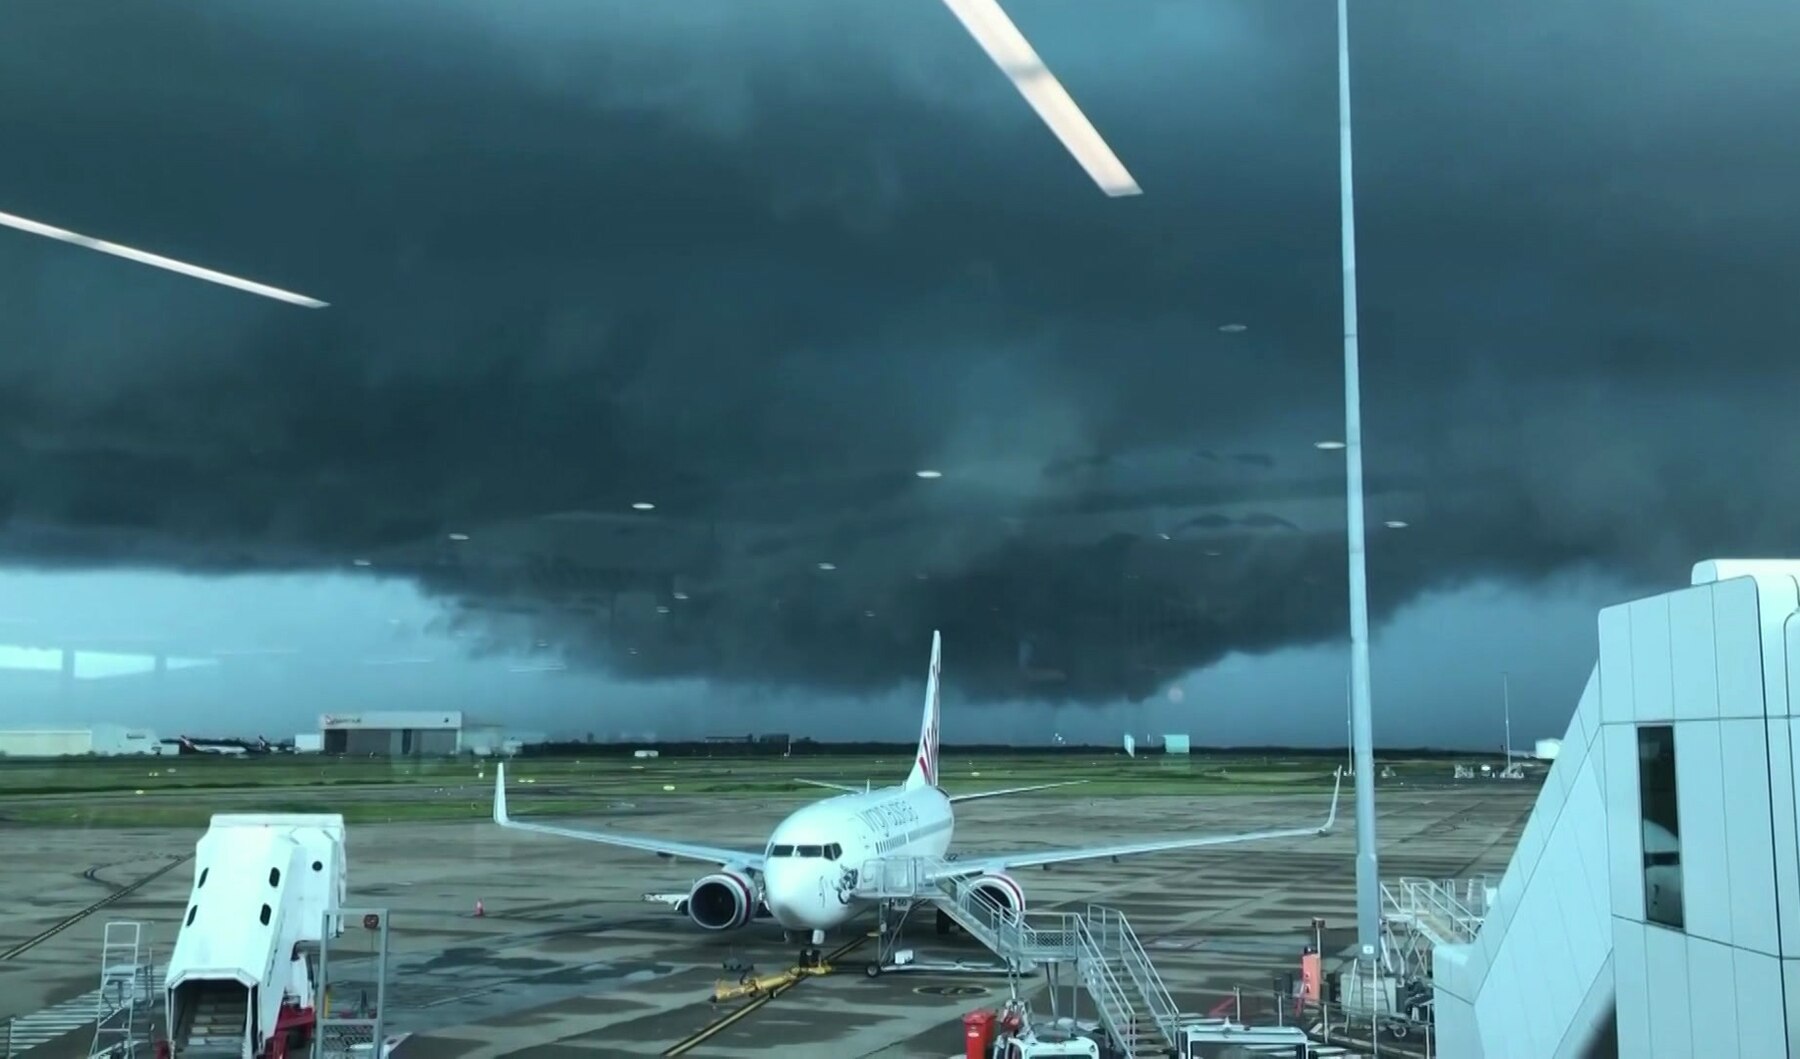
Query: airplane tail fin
pixel 925 765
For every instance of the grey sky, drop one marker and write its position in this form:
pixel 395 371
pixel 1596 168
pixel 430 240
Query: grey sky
pixel 757 263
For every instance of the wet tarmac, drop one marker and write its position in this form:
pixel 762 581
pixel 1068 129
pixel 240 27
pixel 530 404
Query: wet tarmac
pixel 568 959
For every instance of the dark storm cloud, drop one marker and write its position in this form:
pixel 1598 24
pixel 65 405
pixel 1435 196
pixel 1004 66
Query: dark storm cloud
pixel 758 263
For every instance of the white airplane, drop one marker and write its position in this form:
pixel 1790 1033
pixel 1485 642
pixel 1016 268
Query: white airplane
pixel 805 874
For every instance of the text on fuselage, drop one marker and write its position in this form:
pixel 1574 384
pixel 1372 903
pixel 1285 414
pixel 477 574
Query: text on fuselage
pixel 885 818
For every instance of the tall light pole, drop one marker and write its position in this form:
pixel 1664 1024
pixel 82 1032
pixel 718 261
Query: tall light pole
pixel 1506 705
pixel 1009 49
pixel 1368 875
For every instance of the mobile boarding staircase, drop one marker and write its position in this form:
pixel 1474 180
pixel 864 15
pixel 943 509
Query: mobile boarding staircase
pixel 1135 1009
pixel 245 959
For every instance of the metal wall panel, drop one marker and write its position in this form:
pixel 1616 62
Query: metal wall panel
pixel 1743 750
pixel 1761 1026
pixel 1737 654
pixel 1633 988
pixel 1700 794
pixel 1666 973
pixel 1616 704
pixel 1693 654
pixel 1625 831
pixel 1652 681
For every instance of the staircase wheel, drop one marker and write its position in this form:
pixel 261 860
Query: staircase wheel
pixel 873 970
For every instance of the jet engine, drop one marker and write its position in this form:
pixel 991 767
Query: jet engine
pixel 722 901
pixel 1003 890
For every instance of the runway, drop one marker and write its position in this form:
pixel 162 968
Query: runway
pixel 569 959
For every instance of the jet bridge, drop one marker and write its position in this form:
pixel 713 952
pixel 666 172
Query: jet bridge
pixel 1654 898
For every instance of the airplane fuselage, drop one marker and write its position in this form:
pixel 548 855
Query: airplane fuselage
pixel 814 855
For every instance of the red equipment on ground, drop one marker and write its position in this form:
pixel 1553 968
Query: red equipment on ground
pixel 978 1034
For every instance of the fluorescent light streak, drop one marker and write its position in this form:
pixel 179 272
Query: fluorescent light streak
pixel 1328 446
pixel 459 536
pixel 828 566
pixel 929 474
pixel 1234 329
pixel 681 595
pixel 143 257
pixel 1009 49
pixel 1395 523
pixel 360 562
pixel 643 505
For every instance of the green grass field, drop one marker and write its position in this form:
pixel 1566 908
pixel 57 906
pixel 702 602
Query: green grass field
pixel 186 791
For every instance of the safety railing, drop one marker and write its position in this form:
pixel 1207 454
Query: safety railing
pixel 1435 907
pixel 1119 941
pixel 1117 1014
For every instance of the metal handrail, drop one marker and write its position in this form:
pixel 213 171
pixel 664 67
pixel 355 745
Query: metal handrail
pixel 1121 1023
pixel 1121 940
pixel 1439 898
pixel 1116 927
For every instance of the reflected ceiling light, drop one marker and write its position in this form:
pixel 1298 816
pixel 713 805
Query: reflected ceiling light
pixel 643 505
pixel 1328 446
pixel 828 566
pixel 1164 536
pixel 662 608
pixel 360 562
pixel 157 260
pixel 459 536
pixel 1395 523
pixel 929 474
pixel 1234 329
pixel 680 595
pixel 868 614
pixel 1010 51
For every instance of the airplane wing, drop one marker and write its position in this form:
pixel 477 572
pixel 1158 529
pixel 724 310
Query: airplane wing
pixel 829 786
pixel 1032 858
pixel 1010 790
pixel 658 846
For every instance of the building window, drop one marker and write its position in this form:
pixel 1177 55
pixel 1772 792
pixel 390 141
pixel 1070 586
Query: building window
pixel 1662 826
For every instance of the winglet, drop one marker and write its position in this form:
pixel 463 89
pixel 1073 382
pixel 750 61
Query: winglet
pixel 1331 817
pixel 500 816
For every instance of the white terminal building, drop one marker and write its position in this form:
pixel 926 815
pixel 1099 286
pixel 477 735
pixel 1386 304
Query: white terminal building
pixel 100 740
pixel 1652 907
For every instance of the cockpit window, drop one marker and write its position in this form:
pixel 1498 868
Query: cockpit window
pixel 833 851
pixel 781 851
pixel 809 851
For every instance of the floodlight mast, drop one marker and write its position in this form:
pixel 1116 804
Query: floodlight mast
pixel 1368 875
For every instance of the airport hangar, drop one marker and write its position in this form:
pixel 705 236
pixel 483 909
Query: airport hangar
pixel 1652 907
pixel 406 733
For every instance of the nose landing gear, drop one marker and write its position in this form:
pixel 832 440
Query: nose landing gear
pixel 813 956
